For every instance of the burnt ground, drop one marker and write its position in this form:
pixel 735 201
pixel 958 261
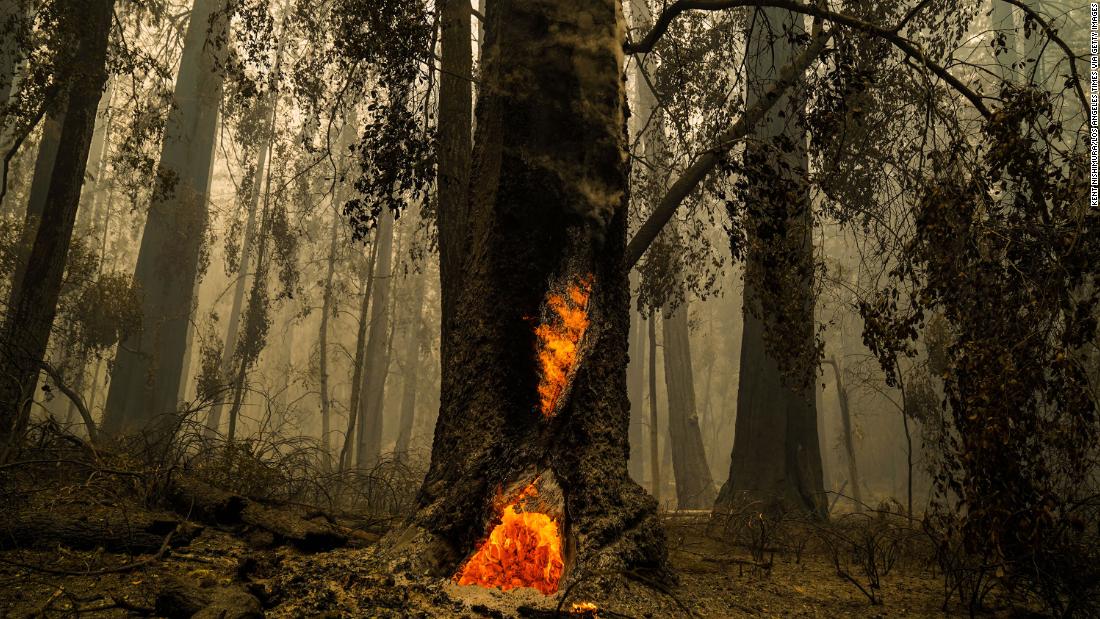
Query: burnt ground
pixel 84 533
pixel 230 573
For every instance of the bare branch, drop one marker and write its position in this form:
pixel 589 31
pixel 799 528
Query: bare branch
pixel 890 35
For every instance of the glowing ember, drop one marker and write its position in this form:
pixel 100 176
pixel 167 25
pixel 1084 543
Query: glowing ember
pixel 524 550
pixel 558 341
pixel 588 609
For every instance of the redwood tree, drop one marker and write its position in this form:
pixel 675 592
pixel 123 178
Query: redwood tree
pixel 32 303
pixel 547 209
pixel 776 452
pixel 148 367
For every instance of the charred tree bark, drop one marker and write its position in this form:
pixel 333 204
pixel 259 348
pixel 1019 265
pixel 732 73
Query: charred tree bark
pixel 146 379
pixel 547 206
pixel 776 453
pixel 455 116
pixel 375 362
pixel 694 484
pixel 32 304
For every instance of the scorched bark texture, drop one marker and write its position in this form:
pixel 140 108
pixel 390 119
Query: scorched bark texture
pixel 547 208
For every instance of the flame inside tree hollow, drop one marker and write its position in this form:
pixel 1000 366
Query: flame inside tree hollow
pixel 559 340
pixel 524 550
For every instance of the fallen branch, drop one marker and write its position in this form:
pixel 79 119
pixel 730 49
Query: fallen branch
pixel 129 567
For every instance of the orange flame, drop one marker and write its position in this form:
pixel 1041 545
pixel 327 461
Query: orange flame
pixel 558 341
pixel 588 609
pixel 524 550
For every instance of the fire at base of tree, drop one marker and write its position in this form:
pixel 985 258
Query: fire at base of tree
pixel 533 308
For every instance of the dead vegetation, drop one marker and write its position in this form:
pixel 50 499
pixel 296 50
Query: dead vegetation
pixel 259 528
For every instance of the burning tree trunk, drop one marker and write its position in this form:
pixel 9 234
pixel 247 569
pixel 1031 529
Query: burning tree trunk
pixel 534 415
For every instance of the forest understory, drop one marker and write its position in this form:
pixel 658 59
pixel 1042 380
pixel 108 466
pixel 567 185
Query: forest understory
pixel 89 533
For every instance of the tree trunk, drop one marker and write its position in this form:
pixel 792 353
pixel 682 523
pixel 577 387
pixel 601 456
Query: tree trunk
pixel 33 304
pixel 369 443
pixel 547 212
pixel 91 195
pixel 854 482
pixel 367 281
pixel 146 378
pixel 232 331
pixel 654 432
pixel 11 15
pixel 44 161
pixel 253 338
pixel 776 453
pixel 650 126
pixel 455 103
pixel 454 167
pixel 635 380
pixel 1003 22
pixel 694 484
pixel 412 371
pixel 322 353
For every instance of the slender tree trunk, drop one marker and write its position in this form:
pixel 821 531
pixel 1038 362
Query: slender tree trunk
pixel 547 210
pixel 776 452
pixel 322 353
pixel 33 304
pixel 367 282
pixel 1003 20
pixel 412 370
pixel 635 380
pixel 369 443
pixel 232 332
pixel 694 483
pixel 654 432
pixel 44 161
pixel 92 194
pixel 148 367
pixel 854 482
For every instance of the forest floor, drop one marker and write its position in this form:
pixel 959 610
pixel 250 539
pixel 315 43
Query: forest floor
pixel 82 541
pixel 226 568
